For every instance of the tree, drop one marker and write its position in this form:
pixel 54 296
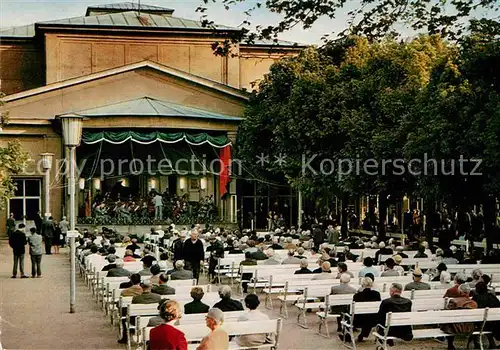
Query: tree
pixel 369 18
pixel 12 162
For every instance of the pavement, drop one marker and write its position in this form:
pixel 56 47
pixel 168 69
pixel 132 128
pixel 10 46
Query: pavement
pixel 35 314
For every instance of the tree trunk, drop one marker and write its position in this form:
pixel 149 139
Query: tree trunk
pixel 489 221
pixel 382 214
pixel 429 213
pixel 344 219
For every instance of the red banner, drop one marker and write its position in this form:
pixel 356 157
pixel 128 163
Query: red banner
pixel 225 176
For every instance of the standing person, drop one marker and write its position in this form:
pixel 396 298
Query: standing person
pixel 218 339
pixel 48 231
pixel 17 242
pixel 11 224
pixel 193 253
pixel 56 239
pixel 158 202
pixel 216 250
pixel 38 222
pixel 178 246
pixel 36 251
pixel 318 237
pixel 64 226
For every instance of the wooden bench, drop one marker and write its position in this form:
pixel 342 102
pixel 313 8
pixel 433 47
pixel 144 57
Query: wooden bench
pixel 372 307
pixel 196 332
pixel 430 318
pixel 325 316
pixel 142 321
pixel 134 310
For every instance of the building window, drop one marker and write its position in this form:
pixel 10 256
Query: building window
pixel 27 198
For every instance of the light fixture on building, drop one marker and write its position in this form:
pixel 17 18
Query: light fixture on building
pixel 81 183
pixel 203 183
pixel 182 183
pixel 47 160
pixel 124 182
pixel 152 183
pixel 97 183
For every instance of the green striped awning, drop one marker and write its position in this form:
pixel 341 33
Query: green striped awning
pixel 145 138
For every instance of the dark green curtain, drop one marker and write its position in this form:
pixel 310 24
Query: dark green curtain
pixel 118 137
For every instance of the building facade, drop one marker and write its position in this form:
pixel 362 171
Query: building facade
pixel 148 85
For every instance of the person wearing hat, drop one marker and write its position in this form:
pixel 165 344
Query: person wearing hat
pixel 178 245
pixel 417 283
pixel 397 261
pixel 218 339
pixel 389 268
pixel 111 263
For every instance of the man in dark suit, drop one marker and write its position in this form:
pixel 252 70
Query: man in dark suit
pixel 118 271
pixel 162 288
pixel 111 263
pixel 147 297
pixel 193 253
pixel 196 306
pixel 226 303
pixel 367 321
pixel 17 242
pixel 396 303
pixel 48 232
pixel 179 272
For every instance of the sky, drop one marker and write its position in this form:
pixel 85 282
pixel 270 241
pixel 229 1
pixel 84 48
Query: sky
pixel 22 12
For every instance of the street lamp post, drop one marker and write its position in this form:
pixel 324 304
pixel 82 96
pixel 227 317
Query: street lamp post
pixel 72 134
pixel 47 165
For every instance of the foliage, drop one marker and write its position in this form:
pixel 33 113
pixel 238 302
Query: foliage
pixel 369 18
pixel 12 161
pixel 387 100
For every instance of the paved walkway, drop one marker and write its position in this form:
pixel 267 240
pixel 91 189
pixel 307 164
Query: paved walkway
pixel 35 312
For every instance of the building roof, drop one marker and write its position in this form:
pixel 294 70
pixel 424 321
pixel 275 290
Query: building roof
pixel 179 74
pixel 128 6
pixel 27 31
pixel 132 19
pixel 151 107
pixel 272 42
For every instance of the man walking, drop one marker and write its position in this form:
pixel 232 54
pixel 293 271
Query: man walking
pixel 64 226
pixel 193 253
pixel 48 231
pixel 17 242
pixel 36 251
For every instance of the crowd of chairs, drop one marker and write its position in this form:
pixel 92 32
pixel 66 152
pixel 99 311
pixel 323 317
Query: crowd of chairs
pixel 279 284
pixel 107 294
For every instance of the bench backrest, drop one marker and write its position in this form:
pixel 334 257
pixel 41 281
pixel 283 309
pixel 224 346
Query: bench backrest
pixel 229 316
pixel 195 332
pixel 371 307
pixel 434 317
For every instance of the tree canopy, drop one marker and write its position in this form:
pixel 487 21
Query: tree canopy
pixel 12 162
pixel 382 101
pixel 373 19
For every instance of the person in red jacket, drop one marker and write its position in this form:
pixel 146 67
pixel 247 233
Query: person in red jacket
pixel 165 336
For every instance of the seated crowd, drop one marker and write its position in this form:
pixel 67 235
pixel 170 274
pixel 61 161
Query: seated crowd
pixel 466 292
